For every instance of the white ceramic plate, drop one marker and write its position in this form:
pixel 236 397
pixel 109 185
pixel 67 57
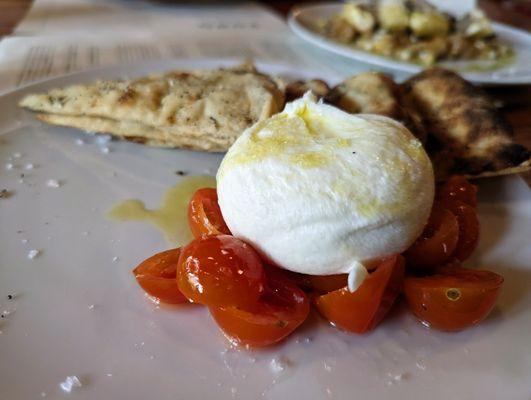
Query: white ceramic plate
pixel 124 347
pixel 303 17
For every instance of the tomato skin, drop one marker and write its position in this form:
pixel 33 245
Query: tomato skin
pixel 437 242
pixel 220 271
pixel 364 309
pixel 458 188
pixel 453 299
pixel 468 228
pixel 156 275
pixel 204 214
pixel 281 309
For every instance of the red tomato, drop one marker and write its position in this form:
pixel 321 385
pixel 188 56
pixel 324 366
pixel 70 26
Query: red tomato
pixel 281 309
pixel 220 271
pixel 453 299
pixel 468 228
pixel 204 214
pixel 156 276
pixel 362 310
pixel 436 243
pixel 458 188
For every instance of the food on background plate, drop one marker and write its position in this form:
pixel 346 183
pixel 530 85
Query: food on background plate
pixel 201 110
pixel 307 202
pixel 415 31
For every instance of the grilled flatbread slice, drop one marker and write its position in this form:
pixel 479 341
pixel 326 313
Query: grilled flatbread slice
pixel 138 133
pixel 203 110
pixel 467 134
pixel 376 93
pixel 296 89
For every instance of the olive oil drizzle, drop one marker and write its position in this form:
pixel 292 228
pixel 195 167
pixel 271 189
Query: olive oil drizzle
pixel 171 218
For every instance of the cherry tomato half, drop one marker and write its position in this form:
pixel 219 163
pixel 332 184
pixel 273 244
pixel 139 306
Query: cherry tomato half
pixel 204 214
pixel 281 309
pixel 468 228
pixel 156 276
pixel 436 243
pixel 458 188
pixel 453 299
pixel 220 271
pixel 365 308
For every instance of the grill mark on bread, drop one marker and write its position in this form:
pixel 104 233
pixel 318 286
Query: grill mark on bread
pixel 469 135
pixel 376 93
pixel 128 96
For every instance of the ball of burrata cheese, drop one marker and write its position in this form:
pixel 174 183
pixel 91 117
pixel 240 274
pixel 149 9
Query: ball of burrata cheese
pixel 319 191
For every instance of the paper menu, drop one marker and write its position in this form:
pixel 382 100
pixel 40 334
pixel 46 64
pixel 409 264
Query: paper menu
pixel 55 45
pixel 144 19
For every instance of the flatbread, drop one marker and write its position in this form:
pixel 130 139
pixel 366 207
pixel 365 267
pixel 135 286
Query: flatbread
pixel 138 133
pixel 202 110
pixel 467 134
pixel 296 89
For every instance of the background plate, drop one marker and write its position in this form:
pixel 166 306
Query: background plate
pixel 302 18
pixel 78 312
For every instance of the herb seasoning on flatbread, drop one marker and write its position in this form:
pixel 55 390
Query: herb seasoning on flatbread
pixel 201 110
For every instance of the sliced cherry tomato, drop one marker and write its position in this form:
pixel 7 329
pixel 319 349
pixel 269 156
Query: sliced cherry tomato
pixel 204 214
pixel 453 299
pixel 468 228
pixel 458 188
pixel 436 243
pixel 365 308
pixel 156 276
pixel 220 271
pixel 281 309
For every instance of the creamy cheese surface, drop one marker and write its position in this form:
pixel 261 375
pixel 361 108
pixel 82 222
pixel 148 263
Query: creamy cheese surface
pixel 320 191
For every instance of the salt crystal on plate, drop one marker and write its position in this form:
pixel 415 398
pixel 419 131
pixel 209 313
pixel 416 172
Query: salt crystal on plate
pixel 105 150
pixel 33 253
pixel 16 155
pixel 80 142
pixel 398 377
pixel 53 183
pixel 24 241
pixel 279 365
pixel 10 166
pixel 115 258
pixel 70 383
pixel 29 166
pixel 103 139
pixel 420 365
